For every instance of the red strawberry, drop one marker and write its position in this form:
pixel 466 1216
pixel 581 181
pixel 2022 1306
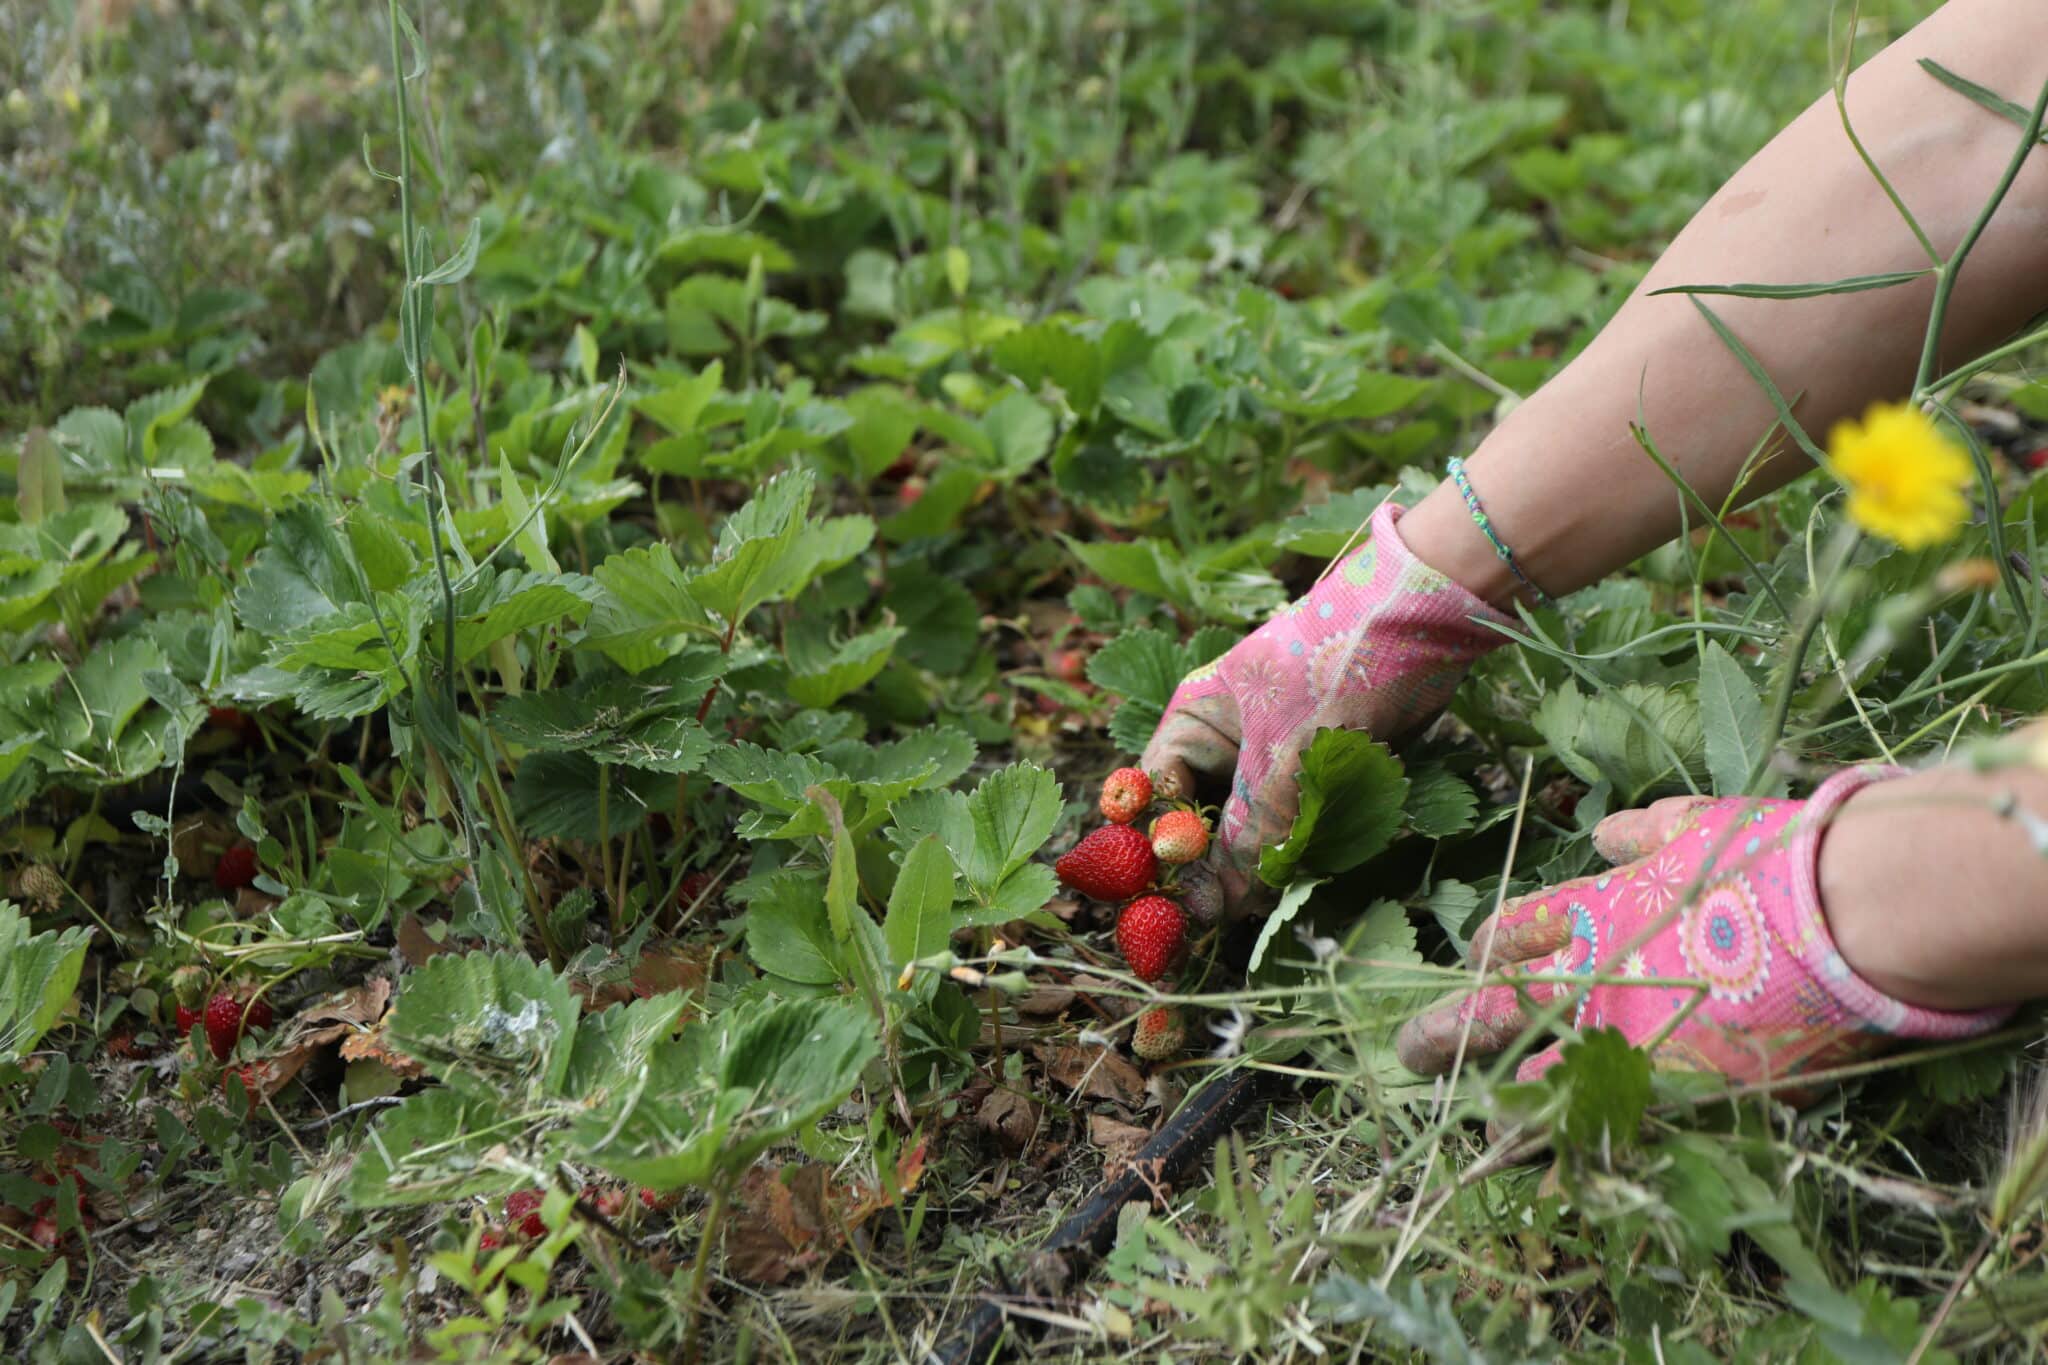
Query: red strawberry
pixel 491 1239
pixel 226 1019
pixel 43 1232
pixel 656 1199
pixel 188 1015
pixel 236 868
pixel 2036 459
pixel 522 1210
pixel 1159 1033
pixel 1125 794
pixel 1070 665
pixel 1152 934
pixel 243 725
pixel 1179 836
pixel 910 491
pixel 696 886
pixel 1113 863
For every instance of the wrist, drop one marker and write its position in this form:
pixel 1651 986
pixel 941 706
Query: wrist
pixel 1439 532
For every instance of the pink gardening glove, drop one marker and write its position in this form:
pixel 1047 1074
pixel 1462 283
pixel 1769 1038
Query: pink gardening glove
pixel 1378 645
pixel 1780 999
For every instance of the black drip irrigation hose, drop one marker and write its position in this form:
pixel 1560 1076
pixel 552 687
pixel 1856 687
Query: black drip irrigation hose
pixel 1087 1235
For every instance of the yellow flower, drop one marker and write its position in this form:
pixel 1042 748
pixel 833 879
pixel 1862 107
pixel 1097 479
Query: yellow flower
pixel 1905 478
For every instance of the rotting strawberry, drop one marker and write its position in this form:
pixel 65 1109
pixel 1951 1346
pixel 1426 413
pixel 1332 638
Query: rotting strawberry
pixel 522 1211
pixel 44 1233
pixel 251 1096
pixel 1159 1033
pixel 236 868
pixel 1125 794
pixel 1179 836
pixel 1201 893
pixel 1115 862
pixel 608 1200
pixel 226 1018
pixel 696 886
pixel 1152 934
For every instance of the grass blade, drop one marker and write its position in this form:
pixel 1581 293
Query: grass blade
pixel 1854 284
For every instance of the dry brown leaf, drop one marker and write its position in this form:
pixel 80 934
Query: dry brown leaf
pixel 671 968
pixel 1097 1072
pixel 1119 1142
pixel 415 944
pixel 1044 1002
pixel 1008 1116
pixel 784 1224
pixel 371 1045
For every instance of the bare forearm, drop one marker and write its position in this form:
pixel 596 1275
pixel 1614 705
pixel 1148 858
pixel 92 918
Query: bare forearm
pixel 1563 479
pixel 1936 891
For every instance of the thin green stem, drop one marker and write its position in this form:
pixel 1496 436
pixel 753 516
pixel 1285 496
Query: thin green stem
pixel 1945 278
pixel 700 1269
pixel 1795 657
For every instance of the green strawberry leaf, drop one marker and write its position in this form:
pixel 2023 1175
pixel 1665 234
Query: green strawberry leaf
pixel 1352 791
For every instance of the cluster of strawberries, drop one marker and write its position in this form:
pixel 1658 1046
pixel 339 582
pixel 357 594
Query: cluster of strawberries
pixel 1119 862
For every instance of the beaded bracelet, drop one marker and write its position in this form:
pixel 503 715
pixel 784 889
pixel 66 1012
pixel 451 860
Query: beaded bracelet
pixel 1485 525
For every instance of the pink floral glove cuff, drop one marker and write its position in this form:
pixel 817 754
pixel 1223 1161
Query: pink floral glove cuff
pixel 1379 644
pixel 1730 901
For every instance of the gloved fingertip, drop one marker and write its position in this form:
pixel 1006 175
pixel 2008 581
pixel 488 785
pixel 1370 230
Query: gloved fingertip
pixel 1533 1068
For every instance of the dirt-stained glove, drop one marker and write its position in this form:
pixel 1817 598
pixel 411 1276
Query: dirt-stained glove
pixel 1378 645
pixel 1723 892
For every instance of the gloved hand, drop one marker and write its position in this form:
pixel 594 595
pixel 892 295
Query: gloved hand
pixel 1721 891
pixel 1379 645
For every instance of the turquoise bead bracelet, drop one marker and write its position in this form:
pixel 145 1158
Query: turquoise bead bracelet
pixel 1485 525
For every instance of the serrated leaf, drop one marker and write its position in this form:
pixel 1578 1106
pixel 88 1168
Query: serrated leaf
pixel 1022 892
pixel 1012 812
pixel 679 408
pixel 1352 791
pixel 488 1023
pixel 38 973
pixel 789 933
pixel 1053 352
pixel 1731 720
pixel 612 1046
pixel 1440 803
pixel 434 1146
pixel 303 574
pixel 941 620
pixel 1326 529
pixel 1291 901
pixel 1456 908
pixel 556 796
pixel 646 605
pixel 920 919
pixel 520 600
pixel 1635 737
pixel 884 423
pixel 727 1089
pixel 822 680
pixel 1019 434
pixel 1608 1086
